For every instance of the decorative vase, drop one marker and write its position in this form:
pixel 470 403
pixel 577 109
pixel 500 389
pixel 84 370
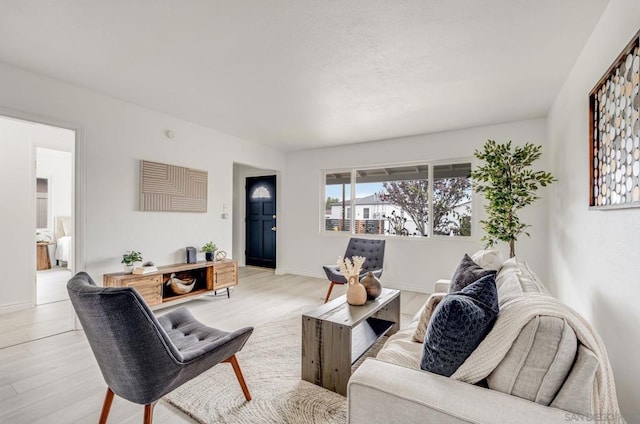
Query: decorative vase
pixel 209 256
pixel 128 268
pixel 356 293
pixel 372 285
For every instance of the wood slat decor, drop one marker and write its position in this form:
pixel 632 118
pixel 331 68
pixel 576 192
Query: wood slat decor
pixel 614 130
pixel 170 188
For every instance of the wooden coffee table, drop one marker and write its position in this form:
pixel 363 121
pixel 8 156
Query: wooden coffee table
pixel 337 334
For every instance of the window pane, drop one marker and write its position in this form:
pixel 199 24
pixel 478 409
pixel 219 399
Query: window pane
pixel 337 192
pixel 452 199
pixel 261 192
pixel 396 199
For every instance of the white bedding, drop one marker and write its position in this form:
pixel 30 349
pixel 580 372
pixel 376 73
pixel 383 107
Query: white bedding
pixel 63 248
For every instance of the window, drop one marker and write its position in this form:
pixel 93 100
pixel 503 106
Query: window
pixel 337 198
pixel 400 200
pixel 261 192
pixel 452 199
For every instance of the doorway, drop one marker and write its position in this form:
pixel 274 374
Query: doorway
pixel 260 221
pixel 54 223
pixel 28 228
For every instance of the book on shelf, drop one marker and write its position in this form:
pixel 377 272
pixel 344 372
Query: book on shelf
pixel 145 270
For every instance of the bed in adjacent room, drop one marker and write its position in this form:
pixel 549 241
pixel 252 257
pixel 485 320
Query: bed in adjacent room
pixel 63 230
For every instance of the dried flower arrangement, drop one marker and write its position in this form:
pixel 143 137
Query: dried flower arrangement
pixel 351 267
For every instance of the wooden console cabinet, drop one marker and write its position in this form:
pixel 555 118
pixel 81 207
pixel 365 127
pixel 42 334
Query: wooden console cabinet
pixel 153 287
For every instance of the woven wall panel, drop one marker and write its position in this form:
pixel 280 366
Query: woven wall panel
pixel 615 133
pixel 171 188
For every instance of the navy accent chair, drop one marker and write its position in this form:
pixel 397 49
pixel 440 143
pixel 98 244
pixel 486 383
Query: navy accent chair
pixel 141 357
pixel 371 249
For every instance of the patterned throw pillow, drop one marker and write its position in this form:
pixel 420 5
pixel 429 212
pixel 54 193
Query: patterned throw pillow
pixel 458 325
pixel 466 273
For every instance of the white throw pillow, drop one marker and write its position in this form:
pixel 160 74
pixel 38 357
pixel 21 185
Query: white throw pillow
pixel 425 316
pixel 489 259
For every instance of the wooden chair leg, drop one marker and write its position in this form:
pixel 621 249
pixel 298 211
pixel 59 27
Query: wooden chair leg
pixel 326 299
pixel 236 368
pixel 148 413
pixel 106 406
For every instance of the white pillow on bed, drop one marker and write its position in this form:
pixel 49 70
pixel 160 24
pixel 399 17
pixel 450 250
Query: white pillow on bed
pixel 67 226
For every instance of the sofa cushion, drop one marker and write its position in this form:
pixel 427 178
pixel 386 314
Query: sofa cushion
pixel 538 362
pixel 576 392
pixel 458 325
pixel 400 349
pixel 516 277
pixel 466 273
pixel 489 259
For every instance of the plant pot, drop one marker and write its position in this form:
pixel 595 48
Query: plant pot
pixel 356 293
pixel 209 256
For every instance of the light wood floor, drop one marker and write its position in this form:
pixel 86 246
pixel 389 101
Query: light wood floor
pixel 56 379
pixel 52 285
pixel 53 315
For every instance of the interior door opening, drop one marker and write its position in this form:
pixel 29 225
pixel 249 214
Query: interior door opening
pixel 54 223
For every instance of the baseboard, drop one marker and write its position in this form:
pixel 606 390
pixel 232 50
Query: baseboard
pixel 422 288
pixel 409 287
pixel 303 272
pixel 11 307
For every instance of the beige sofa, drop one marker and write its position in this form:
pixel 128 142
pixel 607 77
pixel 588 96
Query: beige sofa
pixel 546 377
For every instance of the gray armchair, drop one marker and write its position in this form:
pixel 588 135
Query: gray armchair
pixel 142 357
pixel 372 249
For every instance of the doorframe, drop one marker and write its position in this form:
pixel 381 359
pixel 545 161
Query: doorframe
pixel 79 192
pixel 241 171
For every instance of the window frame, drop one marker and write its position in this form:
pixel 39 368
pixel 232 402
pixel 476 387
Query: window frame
pixel 430 175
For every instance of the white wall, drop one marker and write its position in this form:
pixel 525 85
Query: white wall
pixel 116 136
pixel 411 263
pixel 57 167
pixel 17 251
pixel 594 255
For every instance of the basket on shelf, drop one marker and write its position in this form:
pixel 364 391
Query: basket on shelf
pixel 181 286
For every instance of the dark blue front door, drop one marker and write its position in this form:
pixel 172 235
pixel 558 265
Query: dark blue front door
pixel 261 221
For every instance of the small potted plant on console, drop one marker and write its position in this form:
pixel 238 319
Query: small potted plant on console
pixel 209 249
pixel 130 258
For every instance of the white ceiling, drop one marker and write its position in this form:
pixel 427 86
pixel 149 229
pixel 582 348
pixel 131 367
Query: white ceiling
pixel 299 74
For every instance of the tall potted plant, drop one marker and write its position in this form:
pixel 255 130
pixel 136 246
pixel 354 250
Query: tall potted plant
pixel 509 184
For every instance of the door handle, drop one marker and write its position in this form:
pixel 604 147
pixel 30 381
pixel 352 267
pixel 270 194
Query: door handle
pixel 273 228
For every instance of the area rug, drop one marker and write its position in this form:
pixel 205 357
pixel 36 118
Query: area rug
pixel 270 362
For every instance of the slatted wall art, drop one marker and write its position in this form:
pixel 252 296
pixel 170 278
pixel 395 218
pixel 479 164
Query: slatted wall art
pixel 614 130
pixel 170 188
